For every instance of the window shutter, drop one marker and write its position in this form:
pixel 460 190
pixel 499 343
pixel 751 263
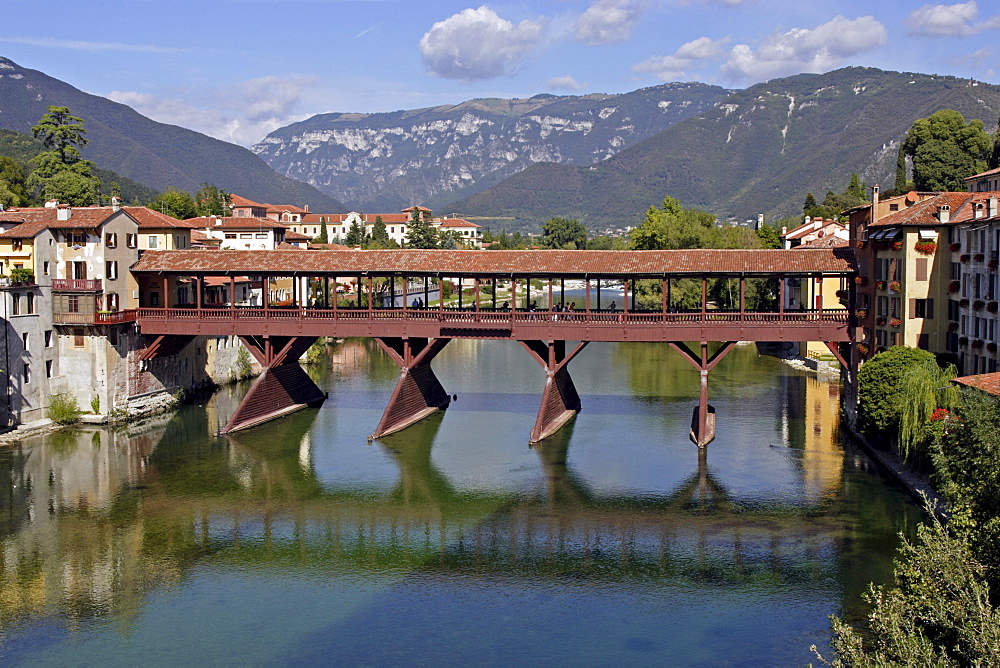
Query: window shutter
pixel 921 269
pixel 930 309
pixel 913 308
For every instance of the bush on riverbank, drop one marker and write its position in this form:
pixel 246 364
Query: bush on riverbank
pixel 63 408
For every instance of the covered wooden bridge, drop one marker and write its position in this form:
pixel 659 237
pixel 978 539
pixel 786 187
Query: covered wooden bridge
pixel 541 299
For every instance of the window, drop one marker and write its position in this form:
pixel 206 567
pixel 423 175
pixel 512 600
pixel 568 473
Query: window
pixel 154 298
pixel 48 338
pixel 894 206
pixel 45 268
pixel 30 302
pixel 24 341
pixel 26 372
pixel 48 368
pixel 923 308
pixel 153 241
pixel 15 303
pixel 111 301
pixel 883 305
pixel 73 304
pixel 16 244
pixel 79 339
pixel 131 240
pixel 111 239
pixel 260 235
pixel 246 235
pixel 111 269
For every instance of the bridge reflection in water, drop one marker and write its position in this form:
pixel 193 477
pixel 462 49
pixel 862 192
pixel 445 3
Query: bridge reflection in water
pixel 96 522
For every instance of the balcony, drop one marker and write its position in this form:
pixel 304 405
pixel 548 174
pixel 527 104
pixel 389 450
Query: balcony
pixel 99 318
pixel 77 284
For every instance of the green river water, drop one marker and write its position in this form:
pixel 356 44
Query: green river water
pixel 453 542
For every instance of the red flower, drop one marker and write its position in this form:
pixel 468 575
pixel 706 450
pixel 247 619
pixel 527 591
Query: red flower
pixel 940 414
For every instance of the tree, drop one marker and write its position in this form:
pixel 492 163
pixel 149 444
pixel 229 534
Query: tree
pixel 61 133
pixel 902 185
pixel 567 233
pixel 770 236
pixel 324 235
pixel 944 150
pixel 809 203
pixel 356 234
pixel 211 201
pixel 855 188
pixel 12 189
pixel 926 387
pixel 61 172
pixel 880 387
pixel 175 203
pixel 380 235
pixel 421 233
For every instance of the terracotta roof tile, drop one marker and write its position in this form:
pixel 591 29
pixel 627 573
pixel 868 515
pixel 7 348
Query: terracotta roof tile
pixel 987 382
pixel 989 172
pixel 239 201
pixel 829 241
pixel 37 219
pixel 234 223
pixel 150 219
pixel 540 263
pixel 457 222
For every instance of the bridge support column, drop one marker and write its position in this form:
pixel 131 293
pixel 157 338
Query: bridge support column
pixel 418 392
pixel 560 401
pixel 282 388
pixel 848 358
pixel 703 420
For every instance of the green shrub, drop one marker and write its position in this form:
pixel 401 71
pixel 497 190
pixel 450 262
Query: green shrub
pixel 21 275
pixel 244 367
pixel 63 408
pixel 880 387
pixel 95 405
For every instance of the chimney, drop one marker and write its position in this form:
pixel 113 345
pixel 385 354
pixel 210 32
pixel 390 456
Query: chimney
pixel 991 207
pixel 760 220
pixel 978 210
pixel 51 204
pixel 807 220
pixel 306 208
pixel 944 213
pixel 64 212
pixel 116 204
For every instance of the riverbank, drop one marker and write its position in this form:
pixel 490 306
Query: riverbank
pixel 918 485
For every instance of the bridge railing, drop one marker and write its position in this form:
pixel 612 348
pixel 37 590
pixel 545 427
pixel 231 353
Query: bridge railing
pixel 458 317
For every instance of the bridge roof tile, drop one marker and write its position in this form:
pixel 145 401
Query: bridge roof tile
pixel 503 263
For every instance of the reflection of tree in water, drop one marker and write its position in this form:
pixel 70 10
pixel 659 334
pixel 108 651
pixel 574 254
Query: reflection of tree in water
pixel 656 371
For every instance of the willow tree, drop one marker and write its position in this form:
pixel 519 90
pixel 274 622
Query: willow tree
pixel 925 388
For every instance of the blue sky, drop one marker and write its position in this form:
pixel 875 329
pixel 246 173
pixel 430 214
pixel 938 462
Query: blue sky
pixel 236 69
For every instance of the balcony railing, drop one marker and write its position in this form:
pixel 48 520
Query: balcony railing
pixel 108 318
pixel 78 284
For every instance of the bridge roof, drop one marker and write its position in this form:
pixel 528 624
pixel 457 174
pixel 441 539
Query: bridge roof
pixel 500 263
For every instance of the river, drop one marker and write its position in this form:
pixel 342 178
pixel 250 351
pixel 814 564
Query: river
pixel 453 542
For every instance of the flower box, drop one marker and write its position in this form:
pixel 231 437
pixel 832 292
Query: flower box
pixel 963 302
pixel 863 348
pixel 925 247
pixel 991 346
pixel 992 307
pixel 955 247
pixel 963 340
pixel 992 264
pixel 964 257
pixel 897 245
pixel 861 313
pixel 880 321
pixel 952 326
pixel 895 322
pixel 880 285
pixel 861 280
pixel 978 305
pixel 860 243
pixel 954 287
pixel 977 344
pixel 894 286
pixel 978 257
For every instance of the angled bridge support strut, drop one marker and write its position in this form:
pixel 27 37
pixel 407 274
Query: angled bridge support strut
pixel 282 388
pixel 560 400
pixel 703 420
pixel 418 392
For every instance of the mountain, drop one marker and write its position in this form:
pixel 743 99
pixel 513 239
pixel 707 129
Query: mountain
pixel 385 162
pixel 758 151
pixel 157 155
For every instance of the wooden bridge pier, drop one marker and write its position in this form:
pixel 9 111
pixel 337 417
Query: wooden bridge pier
pixel 560 400
pixel 282 388
pixel 418 392
pixel 703 420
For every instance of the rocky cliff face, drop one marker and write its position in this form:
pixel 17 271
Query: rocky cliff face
pixel 431 156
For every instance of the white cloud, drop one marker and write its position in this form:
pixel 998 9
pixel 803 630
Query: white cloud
pixel 564 83
pixel 676 66
pixel 818 49
pixel 608 21
pixel 948 20
pixel 80 45
pixel 241 114
pixel 477 44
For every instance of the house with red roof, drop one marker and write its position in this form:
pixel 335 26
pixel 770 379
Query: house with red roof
pixel 241 233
